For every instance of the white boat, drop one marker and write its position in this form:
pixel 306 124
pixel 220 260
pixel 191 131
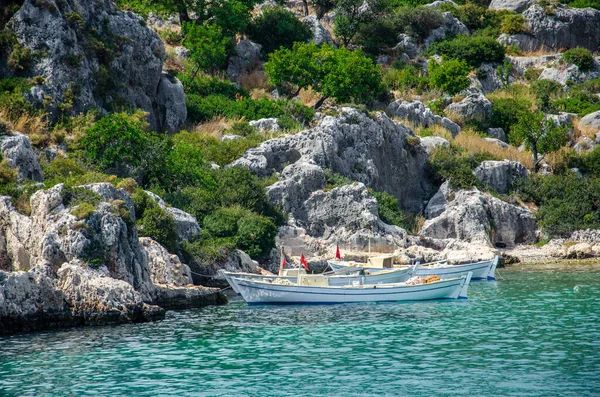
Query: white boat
pixel 373 263
pixel 312 289
pixel 360 276
pixel 484 270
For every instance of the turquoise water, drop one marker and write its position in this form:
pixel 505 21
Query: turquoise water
pixel 535 334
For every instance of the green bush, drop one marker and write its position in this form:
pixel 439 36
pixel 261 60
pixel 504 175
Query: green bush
pixel 505 110
pixel 117 140
pixel 159 225
pixel 565 203
pixel 581 57
pixel 473 50
pixel 208 45
pixel 79 195
pixel 83 211
pixel 406 77
pixel 224 221
pixel 513 24
pixel 256 235
pixel 584 4
pixel 449 76
pixel 532 74
pixel 389 209
pixel 204 86
pixel 277 27
pixel 545 91
pixel 206 108
pixel 476 18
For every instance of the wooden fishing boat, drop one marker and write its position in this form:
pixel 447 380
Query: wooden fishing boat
pixel 353 276
pixel 373 264
pixel 313 289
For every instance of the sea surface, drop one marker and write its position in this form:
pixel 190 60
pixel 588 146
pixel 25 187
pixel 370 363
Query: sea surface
pixel 535 333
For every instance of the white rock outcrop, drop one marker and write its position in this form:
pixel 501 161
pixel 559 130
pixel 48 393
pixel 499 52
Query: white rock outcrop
pixel 16 148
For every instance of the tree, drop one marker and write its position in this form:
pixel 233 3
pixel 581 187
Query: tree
pixel 340 74
pixel 540 135
pixel 450 75
pixel 208 46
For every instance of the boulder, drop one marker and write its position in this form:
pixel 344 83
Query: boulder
pixel 561 28
pixel 475 106
pixel 437 204
pixel 369 149
pixel 500 175
pixel 128 69
pixel 417 113
pixel 164 268
pixel 186 224
pixel 497 133
pixel 16 148
pixel 170 97
pixel 296 184
pixel 585 144
pixel 430 143
pixel 517 6
pixel 568 74
pixel 266 125
pixel 319 33
pixel 245 60
pixel 230 137
pixel 475 217
pixel 498 142
pixel 408 45
pixel 590 122
pixel 450 27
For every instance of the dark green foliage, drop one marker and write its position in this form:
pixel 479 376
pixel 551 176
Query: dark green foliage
pixel 277 27
pixel 335 180
pixel 341 74
pixel 224 221
pixel 565 202
pixel 505 110
pixel 389 209
pixel 456 165
pixel 406 77
pixel 581 57
pixel 545 91
pixel 205 86
pixel 584 4
pixel 256 235
pixel 208 45
pixel 513 24
pixel 449 76
pixel 473 50
pixel 159 225
pixel 532 74
pixel 480 20
pixel 208 251
pixel 141 202
pixel 116 140
pixel 73 196
pixel 580 98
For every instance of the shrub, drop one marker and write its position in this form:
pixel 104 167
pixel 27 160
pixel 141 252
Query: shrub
pixel 277 27
pixel 505 110
pixel 406 77
pixel 581 57
pixel 83 211
pixel 20 58
pixel 475 17
pixel 159 225
pixel 214 106
pixel 545 91
pixel 80 195
pixel 205 86
pixel 532 74
pixel 449 76
pixel 565 202
pixel 513 24
pixel 389 209
pixel 256 235
pixel 116 140
pixel 224 221
pixel 207 44
pixel 473 50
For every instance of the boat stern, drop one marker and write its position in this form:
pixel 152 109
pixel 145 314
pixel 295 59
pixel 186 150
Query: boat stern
pixel 465 286
pixel 491 276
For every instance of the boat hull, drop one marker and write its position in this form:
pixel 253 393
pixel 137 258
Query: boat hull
pixel 483 270
pixel 257 292
pixel 381 277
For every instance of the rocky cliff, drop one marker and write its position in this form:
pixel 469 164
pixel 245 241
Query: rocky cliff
pixel 91 55
pixel 63 267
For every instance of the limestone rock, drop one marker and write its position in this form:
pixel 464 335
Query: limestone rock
pixel 408 45
pixel 14 235
pixel 245 60
pixel 517 6
pixel 497 133
pixel 127 70
pixel 16 148
pixel 487 80
pixel 297 182
pixel 591 121
pixel 164 267
pixel 417 113
pixel 170 97
pixel 563 28
pixel 266 125
pixel 585 144
pixel 569 74
pixel 498 142
pixel 368 150
pixel 476 217
pixel 186 224
pixel 319 33
pixel 499 175
pixel 450 27
pixel 437 204
pixel 475 106
pixel 430 143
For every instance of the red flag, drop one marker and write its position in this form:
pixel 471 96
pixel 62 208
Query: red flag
pixel 303 261
pixel 338 256
pixel 283 261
